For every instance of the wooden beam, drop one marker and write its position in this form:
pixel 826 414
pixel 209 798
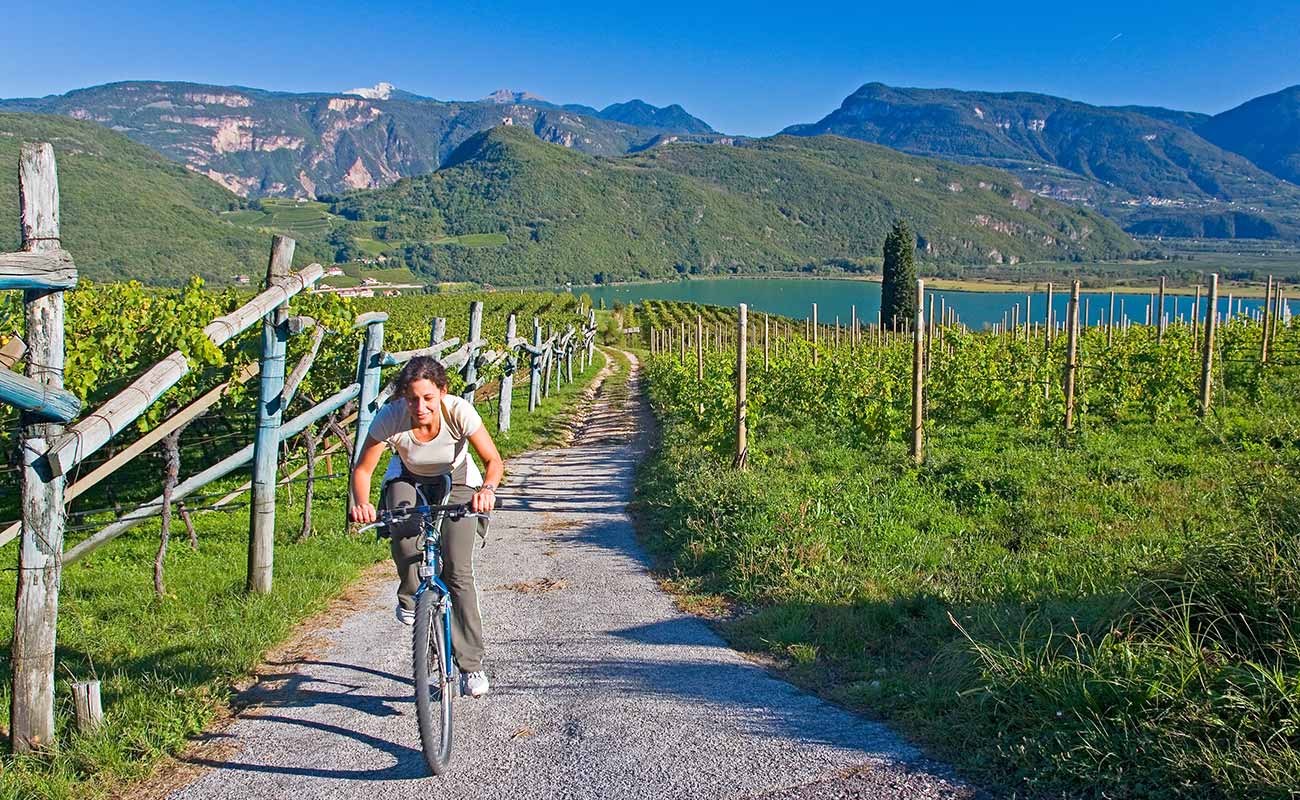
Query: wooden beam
pixel 403 356
pixel 46 269
pixel 246 485
pixel 182 417
pixel 223 329
pixel 12 351
pixel 94 431
pixel 43 401
pixel 219 470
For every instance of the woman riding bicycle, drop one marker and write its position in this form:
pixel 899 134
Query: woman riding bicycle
pixel 428 431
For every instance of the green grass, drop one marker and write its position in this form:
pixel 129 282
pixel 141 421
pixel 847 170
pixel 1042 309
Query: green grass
pixel 168 664
pixel 1114 614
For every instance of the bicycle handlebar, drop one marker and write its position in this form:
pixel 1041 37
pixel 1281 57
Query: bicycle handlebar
pixel 454 511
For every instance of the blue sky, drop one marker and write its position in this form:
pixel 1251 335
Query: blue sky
pixel 749 68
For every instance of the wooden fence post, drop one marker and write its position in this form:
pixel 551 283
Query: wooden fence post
pixel 437 330
pixel 471 363
pixel 699 348
pixel 270 409
pixel 1160 313
pixel 742 386
pixel 535 368
pixel 1267 321
pixel 1110 320
pixel 44 516
pixel 766 347
pixel 1207 358
pixel 507 379
pixel 89 708
pixel 368 368
pixel 591 341
pixel 813 324
pixel 1072 355
pixel 918 375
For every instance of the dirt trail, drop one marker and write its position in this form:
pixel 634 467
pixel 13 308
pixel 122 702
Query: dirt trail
pixel 602 688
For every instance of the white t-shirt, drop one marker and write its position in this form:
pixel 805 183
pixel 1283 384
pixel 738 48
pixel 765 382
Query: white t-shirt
pixel 448 452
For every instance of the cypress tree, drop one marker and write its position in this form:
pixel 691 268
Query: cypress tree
pixel 898 289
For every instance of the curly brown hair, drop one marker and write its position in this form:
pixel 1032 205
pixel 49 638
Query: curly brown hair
pixel 420 368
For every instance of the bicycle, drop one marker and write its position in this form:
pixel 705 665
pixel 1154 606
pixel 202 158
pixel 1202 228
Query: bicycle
pixel 433 660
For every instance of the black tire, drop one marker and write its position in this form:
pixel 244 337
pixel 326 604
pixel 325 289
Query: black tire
pixel 433 689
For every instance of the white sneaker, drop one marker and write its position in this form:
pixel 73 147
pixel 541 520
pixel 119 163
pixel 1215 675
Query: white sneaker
pixel 476 684
pixel 403 616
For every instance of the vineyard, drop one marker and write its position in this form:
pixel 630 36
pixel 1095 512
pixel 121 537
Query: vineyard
pixel 1105 610
pixel 109 671
pixel 116 331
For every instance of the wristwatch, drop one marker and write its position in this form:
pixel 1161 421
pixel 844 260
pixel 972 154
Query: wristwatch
pixel 488 487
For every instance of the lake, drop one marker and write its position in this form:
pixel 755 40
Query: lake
pixel 793 297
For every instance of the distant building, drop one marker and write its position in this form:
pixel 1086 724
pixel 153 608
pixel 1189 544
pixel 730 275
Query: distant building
pixel 332 271
pixel 356 291
pixel 241 279
pixel 381 258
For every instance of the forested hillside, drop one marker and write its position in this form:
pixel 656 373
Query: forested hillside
pixel 127 212
pixel 774 205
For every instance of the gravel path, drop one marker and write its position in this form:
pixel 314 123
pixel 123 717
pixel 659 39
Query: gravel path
pixel 601 687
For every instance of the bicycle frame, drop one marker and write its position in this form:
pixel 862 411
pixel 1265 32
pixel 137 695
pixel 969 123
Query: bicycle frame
pixel 431 580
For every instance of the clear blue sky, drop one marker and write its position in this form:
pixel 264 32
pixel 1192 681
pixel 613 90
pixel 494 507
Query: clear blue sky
pixel 749 68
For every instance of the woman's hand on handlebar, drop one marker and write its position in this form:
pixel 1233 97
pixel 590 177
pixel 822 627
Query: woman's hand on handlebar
pixel 484 501
pixel 363 512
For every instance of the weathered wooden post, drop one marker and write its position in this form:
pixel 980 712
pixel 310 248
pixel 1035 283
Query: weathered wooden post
pixel 1267 322
pixel 535 368
pixel 681 339
pixel 89 708
pixel 742 385
pixel 44 515
pixel 471 363
pixel 918 374
pixel 591 340
pixel 766 347
pixel 507 378
pixel 1207 357
pixel 813 324
pixel 1072 355
pixel 1110 320
pixel 270 409
pixel 1160 313
pixel 368 367
pixel 550 360
pixel 437 330
pixel 568 357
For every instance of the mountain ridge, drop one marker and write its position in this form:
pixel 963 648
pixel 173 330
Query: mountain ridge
pixel 259 142
pixel 1148 170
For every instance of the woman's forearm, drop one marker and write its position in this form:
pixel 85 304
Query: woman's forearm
pixel 494 472
pixel 360 485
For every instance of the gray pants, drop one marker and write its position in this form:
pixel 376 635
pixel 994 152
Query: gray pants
pixel 457 545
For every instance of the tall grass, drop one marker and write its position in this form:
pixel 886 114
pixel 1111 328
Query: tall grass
pixel 1110 614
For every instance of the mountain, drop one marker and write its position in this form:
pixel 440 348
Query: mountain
pixel 669 119
pixel 127 212
pixel 525 211
pixel 261 143
pixel 1266 130
pixel 1146 169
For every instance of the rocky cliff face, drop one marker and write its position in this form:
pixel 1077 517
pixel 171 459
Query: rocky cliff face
pixel 260 143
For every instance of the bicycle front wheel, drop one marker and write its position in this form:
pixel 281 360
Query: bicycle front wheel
pixel 433 684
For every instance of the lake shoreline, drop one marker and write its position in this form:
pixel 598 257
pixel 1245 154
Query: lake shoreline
pixel 954 285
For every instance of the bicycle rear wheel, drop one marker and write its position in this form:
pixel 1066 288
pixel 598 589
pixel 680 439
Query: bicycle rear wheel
pixel 433 685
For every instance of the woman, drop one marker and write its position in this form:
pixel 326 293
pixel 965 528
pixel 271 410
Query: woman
pixel 428 430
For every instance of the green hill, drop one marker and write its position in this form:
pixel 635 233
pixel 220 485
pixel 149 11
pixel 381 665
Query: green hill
pixel 772 205
pixel 126 211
